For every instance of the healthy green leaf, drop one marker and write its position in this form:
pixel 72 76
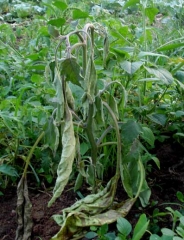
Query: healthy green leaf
pixel 158 118
pixel 78 14
pixel 148 136
pixel 60 4
pixel 151 13
pixel 170 47
pixel 162 74
pixel 8 170
pixel 123 226
pixel 140 227
pixel 57 22
pixel 131 130
pixel 131 3
pixel 131 67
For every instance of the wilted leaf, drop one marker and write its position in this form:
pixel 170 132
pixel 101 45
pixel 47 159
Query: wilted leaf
pixel 24 206
pixel 90 78
pixel 59 95
pixel 67 157
pixel 87 212
pixel 52 135
pixel 71 69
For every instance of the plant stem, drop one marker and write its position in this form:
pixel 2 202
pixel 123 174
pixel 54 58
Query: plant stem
pixel 118 163
pixel 89 131
pixel 31 153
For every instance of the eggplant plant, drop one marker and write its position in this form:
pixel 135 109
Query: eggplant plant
pixel 96 121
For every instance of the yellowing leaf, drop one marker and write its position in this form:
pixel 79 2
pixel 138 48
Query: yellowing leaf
pixel 67 157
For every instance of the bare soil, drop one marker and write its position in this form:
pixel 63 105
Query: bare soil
pixel 164 184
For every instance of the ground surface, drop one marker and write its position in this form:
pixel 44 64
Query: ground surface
pixel 164 184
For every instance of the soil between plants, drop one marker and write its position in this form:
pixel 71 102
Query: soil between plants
pixel 164 184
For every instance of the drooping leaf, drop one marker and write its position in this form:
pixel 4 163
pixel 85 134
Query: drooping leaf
pixel 67 157
pixel 161 73
pixel 52 135
pixel 24 207
pixel 71 69
pixel 59 99
pixel 87 212
pixel 90 79
pixel 130 67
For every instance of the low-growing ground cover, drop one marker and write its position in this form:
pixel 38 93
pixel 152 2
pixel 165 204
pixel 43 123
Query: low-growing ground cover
pixel 89 96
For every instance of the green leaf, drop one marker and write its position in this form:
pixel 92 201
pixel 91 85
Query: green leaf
pixel 57 22
pixel 162 74
pixel 170 47
pixel 158 118
pixel 131 130
pixel 148 136
pixel 71 69
pixel 131 67
pixel 167 232
pixel 53 31
pixel 60 5
pixel 90 78
pixel 143 54
pixel 151 13
pixel 8 170
pixel 123 226
pixel 78 14
pixel 78 182
pixel 155 237
pixel 180 196
pixel 52 135
pixel 140 227
pixel 91 235
pixel 131 3
pixel 67 157
pixel 177 238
